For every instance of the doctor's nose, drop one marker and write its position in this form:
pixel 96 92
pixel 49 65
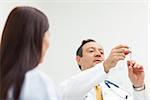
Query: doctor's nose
pixel 97 54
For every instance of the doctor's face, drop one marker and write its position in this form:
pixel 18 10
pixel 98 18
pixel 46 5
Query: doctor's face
pixel 92 54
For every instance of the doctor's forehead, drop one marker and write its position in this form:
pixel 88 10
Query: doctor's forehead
pixel 92 45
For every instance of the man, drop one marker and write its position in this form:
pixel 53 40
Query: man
pixel 91 83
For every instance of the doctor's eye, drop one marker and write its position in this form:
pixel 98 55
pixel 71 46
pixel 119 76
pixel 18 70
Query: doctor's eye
pixel 102 52
pixel 90 50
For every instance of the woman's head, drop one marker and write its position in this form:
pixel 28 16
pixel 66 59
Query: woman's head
pixel 24 32
pixel 21 46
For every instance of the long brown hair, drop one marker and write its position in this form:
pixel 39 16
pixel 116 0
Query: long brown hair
pixel 20 48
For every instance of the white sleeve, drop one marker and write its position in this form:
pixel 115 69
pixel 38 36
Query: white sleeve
pixel 140 95
pixel 76 87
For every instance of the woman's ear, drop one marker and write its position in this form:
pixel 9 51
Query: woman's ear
pixel 45 45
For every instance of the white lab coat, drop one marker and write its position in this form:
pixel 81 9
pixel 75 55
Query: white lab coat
pixel 81 87
pixel 36 86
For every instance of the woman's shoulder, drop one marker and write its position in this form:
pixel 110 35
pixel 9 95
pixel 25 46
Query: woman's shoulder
pixel 38 77
pixel 38 84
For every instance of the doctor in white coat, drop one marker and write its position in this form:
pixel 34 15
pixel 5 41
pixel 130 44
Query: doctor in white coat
pixel 91 83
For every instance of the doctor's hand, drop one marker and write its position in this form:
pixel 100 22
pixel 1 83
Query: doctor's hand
pixel 117 53
pixel 136 73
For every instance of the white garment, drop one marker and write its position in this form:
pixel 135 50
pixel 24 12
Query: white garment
pixel 112 93
pixel 81 86
pixel 37 86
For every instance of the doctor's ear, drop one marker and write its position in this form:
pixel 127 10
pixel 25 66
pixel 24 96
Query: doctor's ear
pixel 78 59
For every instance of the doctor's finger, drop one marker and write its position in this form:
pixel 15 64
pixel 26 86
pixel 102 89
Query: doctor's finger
pixel 139 68
pixel 119 58
pixel 119 54
pixel 132 63
pixel 122 50
pixel 130 70
pixel 121 46
pixel 135 65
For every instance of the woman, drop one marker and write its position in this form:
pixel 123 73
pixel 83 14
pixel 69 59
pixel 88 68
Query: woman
pixel 23 46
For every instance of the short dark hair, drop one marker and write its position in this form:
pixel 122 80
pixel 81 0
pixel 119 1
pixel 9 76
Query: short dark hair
pixel 80 50
pixel 21 47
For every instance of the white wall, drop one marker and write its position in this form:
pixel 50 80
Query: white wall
pixel 148 46
pixel 108 22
